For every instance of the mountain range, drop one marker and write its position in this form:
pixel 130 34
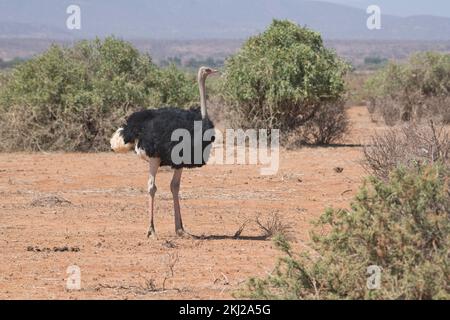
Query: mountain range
pixel 206 19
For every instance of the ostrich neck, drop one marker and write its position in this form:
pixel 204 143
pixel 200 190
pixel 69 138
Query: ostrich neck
pixel 201 84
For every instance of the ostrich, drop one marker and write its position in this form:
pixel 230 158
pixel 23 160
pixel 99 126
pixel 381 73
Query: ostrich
pixel 149 132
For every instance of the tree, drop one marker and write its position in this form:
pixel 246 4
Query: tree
pixel 281 78
pixel 73 98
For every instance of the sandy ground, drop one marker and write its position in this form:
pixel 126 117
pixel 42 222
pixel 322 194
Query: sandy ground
pixel 102 226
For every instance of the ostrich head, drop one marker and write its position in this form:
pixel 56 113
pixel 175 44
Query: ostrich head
pixel 204 72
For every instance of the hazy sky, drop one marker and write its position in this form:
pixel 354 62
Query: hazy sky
pixel 403 7
pixel 235 19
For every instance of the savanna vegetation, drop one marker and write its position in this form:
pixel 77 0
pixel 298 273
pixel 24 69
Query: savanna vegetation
pixel 410 146
pixel 286 78
pixel 401 226
pixel 413 91
pixel 73 98
pixel 398 223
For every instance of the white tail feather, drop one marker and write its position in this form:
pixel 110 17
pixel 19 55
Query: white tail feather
pixel 118 144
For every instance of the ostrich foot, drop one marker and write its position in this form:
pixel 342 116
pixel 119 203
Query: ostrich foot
pixel 183 234
pixel 151 234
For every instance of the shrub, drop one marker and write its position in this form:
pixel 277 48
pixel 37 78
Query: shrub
pixel 273 226
pixel 175 88
pixel 73 98
pixel 402 226
pixel 282 78
pixel 355 81
pixel 419 89
pixel 3 79
pixel 409 146
pixel 328 124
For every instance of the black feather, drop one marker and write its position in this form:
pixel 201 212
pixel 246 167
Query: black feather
pixel 152 129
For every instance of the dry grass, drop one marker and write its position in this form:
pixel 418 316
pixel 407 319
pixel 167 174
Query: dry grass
pixel 410 146
pixel 273 226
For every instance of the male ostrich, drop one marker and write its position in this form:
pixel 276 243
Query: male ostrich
pixel 150 131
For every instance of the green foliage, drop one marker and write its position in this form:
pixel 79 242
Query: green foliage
pixel 3 79
pixel 402 226
pixel 175 88
pixel 417 89
pixel 73 98
pixel 281 77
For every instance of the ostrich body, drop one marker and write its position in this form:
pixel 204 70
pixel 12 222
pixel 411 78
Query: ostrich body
pixel 149 132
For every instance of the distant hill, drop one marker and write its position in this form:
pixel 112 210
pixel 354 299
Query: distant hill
pixel 30 30
pixel 403 8
pixel 200 19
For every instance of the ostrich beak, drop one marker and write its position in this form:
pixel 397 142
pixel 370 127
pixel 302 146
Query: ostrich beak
pixel 214 71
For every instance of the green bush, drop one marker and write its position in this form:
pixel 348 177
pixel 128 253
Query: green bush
pixel 73 98
pixel 281 78
pixel 175 88
pixel 3 78
pixel 416 90
pixel 401 226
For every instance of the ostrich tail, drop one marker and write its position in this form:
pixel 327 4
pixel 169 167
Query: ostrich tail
pixel 125 138
pixel 118 142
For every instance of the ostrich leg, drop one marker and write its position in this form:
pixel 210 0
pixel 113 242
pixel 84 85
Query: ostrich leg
pixel 154 165
pixel 175 188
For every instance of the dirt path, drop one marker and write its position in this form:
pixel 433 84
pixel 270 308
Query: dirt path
pixel 103 225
